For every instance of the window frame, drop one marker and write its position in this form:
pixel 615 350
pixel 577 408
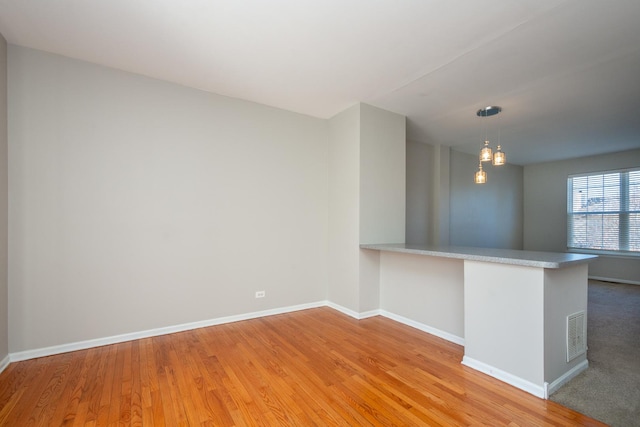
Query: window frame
pixel 624 211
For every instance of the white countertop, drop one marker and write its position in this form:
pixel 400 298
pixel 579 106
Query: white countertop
pixel 502 256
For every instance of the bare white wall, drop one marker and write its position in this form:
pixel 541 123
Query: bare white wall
pixel 565 293
pixel 424 289
pixel 545 209
pixel 382 176
pixel 504 320
pixel 488 215
pixel 382 193
pixel 344 208
pixel 137 204
pixel 4 296
pixel 366 200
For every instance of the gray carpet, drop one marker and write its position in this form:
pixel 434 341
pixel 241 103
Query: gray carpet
pixel 609 390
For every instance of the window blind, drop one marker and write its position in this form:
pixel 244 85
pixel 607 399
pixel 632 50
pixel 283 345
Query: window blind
pixel 603 211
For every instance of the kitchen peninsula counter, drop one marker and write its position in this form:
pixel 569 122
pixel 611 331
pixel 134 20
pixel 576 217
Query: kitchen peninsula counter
pixel 510 309
pixel 502 256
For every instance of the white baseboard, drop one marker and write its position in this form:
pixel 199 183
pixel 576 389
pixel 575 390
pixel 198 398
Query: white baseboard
pixel 370 313
pixel 539 390
pixel 425 328
pixel 4 363
pixel 542 391
pixel 405 321
pixel 609 279
pixel 82 345
pixel 352 313
pixel 568 376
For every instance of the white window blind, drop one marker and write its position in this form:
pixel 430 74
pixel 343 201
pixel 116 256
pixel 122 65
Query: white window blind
pixel 603 212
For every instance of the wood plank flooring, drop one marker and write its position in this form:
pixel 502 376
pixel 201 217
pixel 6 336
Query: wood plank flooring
pixel 311 367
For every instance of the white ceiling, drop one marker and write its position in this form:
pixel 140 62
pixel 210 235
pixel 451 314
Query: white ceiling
pixel 566 72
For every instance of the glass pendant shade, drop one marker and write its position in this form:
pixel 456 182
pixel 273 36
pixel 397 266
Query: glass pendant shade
pixel 486 153
pixel 499 158
pixel 481 176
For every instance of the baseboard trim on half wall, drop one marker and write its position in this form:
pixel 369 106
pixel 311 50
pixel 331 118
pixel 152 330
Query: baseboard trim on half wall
pixel 608 279
pixel 424 328
pixel 540 391
pixel 83 345
pixel 568 376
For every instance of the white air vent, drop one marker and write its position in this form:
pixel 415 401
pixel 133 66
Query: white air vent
pixel 576 337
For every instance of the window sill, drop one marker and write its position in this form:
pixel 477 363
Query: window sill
pixel 609 254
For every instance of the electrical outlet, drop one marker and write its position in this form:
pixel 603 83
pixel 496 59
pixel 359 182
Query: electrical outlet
pixel 260 294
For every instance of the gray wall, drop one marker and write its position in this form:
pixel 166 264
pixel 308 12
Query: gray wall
pixel 428 187
pixel 489 215
pixel 545 210
pixel 137 204
pixel 419 192
pixel 4 297
pixel 444 206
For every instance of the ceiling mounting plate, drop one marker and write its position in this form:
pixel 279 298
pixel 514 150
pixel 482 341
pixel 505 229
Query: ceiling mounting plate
pixel 491 110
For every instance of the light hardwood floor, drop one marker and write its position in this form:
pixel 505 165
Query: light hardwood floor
pixel 311 367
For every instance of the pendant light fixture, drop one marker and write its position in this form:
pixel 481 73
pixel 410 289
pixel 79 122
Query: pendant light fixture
pixel 497 158
pixel 481 176
pixel 486 153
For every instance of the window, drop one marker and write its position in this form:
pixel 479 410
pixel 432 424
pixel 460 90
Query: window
pixel 603 212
